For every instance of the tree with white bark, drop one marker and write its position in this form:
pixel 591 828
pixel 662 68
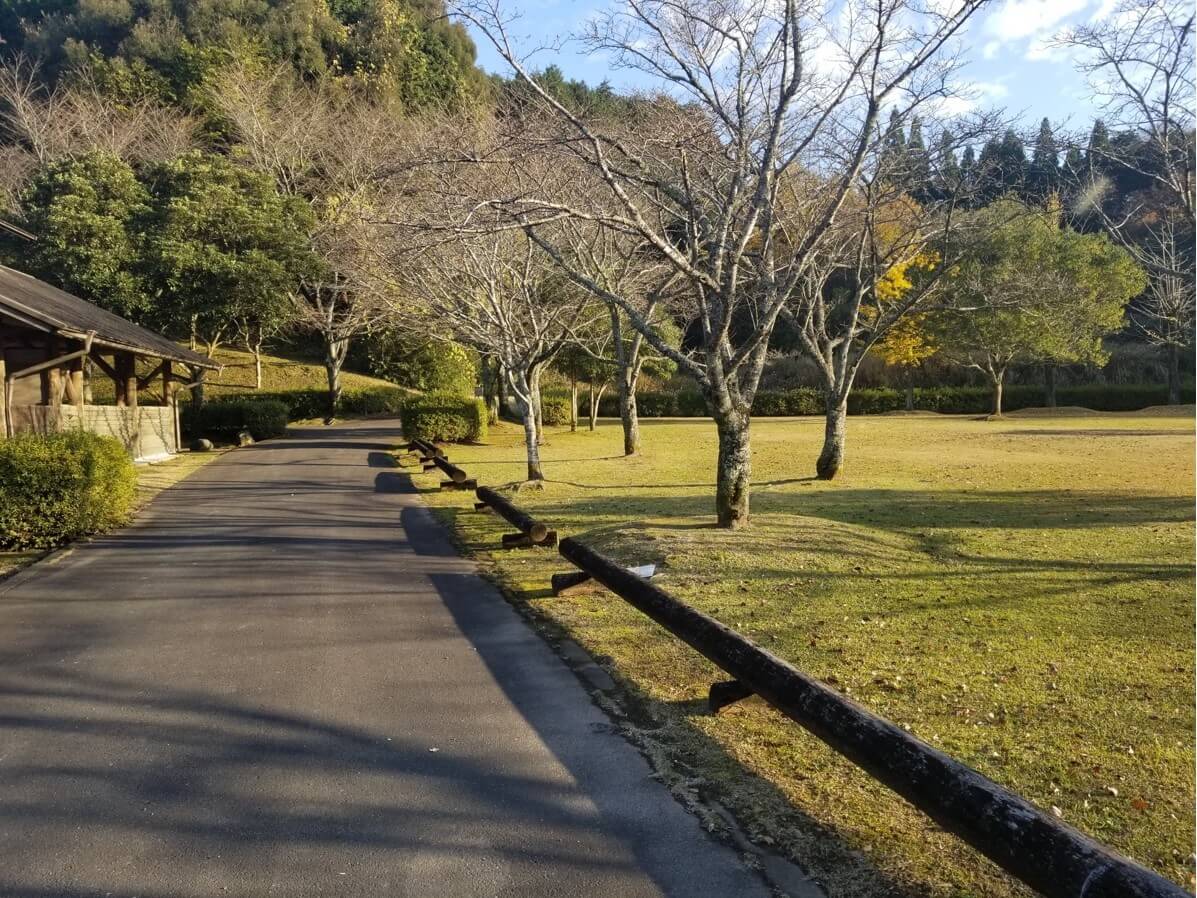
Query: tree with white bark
pixel 760 91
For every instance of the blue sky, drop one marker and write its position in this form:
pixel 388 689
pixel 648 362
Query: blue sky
pixel 1009 63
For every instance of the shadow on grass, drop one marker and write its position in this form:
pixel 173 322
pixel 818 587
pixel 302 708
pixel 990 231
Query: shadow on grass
pixel 906 510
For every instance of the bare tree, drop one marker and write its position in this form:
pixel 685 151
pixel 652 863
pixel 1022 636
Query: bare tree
pixel 1164 316
pixel 885 258
pixel 499 295
pixel 759 90
pixel 70 120
pixel 334 150
pixel 1139 60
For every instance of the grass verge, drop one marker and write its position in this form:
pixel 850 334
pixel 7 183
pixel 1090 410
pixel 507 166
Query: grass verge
pixel 1017 592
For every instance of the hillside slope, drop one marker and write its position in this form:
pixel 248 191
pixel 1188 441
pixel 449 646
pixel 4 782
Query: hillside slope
pixel 279 374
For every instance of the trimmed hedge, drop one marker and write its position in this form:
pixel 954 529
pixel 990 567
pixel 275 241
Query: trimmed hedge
pixel 225 418
pixel 59 486
pixel 444 417
pixel 947 400
pixel 554 409
pixel 302 404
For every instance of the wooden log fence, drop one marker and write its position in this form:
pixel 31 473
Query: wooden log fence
pixel 1037 848
pixel 458 479
pixel 532 532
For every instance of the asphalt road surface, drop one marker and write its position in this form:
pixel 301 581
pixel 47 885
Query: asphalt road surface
pixel 283 681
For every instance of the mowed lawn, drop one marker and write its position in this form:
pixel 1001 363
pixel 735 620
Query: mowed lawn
pixel 1018 593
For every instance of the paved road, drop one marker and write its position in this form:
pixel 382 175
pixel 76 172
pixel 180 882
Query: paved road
pixel 282 681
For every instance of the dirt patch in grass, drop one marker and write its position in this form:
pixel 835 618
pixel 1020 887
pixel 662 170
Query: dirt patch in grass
pixel 1018 596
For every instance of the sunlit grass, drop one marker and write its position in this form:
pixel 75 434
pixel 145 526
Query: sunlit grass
pixel 1018 593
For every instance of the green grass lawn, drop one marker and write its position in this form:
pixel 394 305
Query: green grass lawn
pixel 1017 592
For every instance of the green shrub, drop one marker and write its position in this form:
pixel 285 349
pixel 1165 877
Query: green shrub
pixel 785 403
pixel 430 366
pixel 56 487
pixel 877 401
pixel 554 409
pixel 444 417
pixel 225 418
pixel 657 405
pixel 303 404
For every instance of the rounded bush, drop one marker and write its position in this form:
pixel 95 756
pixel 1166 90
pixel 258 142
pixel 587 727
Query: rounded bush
pixel 554 409
pixel 444 417
pixel 60 486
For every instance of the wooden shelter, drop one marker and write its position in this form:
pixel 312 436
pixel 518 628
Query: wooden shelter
pixel 47 336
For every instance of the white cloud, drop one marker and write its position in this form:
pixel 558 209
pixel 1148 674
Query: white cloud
pixel 991 49
pixel 972 96
pixel 1020 19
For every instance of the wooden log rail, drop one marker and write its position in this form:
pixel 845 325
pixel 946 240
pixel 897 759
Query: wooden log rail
pixel 458 479
pixel 426 449
pixel 1040 850
pixel 532 532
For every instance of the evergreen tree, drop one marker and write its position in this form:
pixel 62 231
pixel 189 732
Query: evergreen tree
pixel 918 163
pixel 968 173
pixel 948 172
pixel 1044 173
pixel 1097 159
pixel 82 211
pixel 1013 163
pixel 893 164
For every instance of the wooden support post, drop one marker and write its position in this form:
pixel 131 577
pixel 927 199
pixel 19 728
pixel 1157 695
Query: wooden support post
pixel 726 693
pixel 131 381
pixel 74 384
pixel 54 381
pixel 168 385
pixel 4 394
pixel 168 400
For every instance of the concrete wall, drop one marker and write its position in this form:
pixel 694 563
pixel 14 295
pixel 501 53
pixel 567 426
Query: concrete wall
pixel 148 432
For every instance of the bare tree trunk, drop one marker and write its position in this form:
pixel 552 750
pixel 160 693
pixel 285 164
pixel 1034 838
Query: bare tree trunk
pixel 537 404
pixel 909 396
pixel 831 458
pixel 593 413
pixel 522 385
pixel 573 406
pixel 629 417
pixel 734 469
pixel 627 373
pixel 532 443
pixel 490 388
pixel 1049 385
pixel 501 386
pixel 1173 374
pixel 998 378
pixel 335 350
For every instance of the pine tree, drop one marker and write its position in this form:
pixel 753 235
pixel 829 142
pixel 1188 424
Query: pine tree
pixel 893 163
pixel 968 174
pixel 1013 163
pixel 918 178
pixel 1097 159
pixel 1044 172
pixel 948 172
